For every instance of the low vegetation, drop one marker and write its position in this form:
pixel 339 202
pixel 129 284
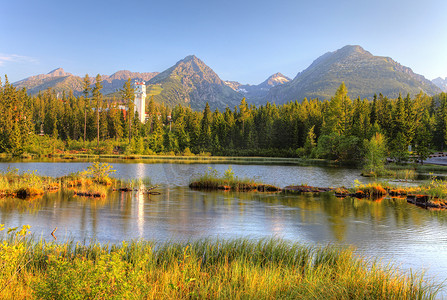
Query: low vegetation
pixel 205 269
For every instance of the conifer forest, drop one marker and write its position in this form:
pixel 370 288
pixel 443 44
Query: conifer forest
pixel 339 128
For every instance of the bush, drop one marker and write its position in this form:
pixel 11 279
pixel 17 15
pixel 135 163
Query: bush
pixel 99 172
pixel 187 152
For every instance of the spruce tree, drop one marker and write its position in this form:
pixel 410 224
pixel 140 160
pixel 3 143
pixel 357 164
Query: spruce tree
pixel 128 94
pixel 87 88
pixel 97 97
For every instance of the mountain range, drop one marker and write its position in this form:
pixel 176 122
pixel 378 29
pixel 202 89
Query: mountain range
pixel 191 82
pixel 61 81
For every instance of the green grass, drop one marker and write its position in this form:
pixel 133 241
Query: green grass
pixel 205 269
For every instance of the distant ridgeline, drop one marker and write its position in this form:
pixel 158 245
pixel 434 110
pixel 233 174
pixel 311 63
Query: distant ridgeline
pixel 190 82
pixel 341 129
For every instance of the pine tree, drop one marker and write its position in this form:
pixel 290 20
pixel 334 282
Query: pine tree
pixel 97 97
pixel 375 154
pixel 15 118
pixel 205 128
pixel 310 143
pixel 423 136
pixel 244 114
pixel 115 122
pixel 339 112
pixel 87 88
pixel 128 94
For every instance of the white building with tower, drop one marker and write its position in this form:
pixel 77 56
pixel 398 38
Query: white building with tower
pixel 140 100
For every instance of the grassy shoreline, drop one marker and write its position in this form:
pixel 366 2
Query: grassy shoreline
pixel 204 269
pixel 173 159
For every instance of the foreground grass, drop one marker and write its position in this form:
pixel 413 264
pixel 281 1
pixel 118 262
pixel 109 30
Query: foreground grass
pixel 232 269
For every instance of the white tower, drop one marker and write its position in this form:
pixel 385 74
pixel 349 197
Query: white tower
pixel 140 100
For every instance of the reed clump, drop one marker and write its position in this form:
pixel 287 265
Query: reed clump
pixel 205 269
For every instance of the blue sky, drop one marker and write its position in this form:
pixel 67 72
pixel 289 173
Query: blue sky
pixel 245 41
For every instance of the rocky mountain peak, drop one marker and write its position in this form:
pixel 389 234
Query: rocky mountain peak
pixel 352 49
pixel 276 79
pixel 58 72
pixel 189 58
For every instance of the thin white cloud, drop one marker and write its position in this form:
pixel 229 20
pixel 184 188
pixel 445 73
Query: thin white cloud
pixel 5 58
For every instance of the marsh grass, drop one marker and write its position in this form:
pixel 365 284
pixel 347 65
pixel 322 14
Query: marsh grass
pixel 139 183
pixel 396 173
pixel 405 174
pixel 204 269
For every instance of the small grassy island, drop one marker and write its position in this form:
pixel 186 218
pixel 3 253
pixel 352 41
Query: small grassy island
pixel 211 180
pixel 94 182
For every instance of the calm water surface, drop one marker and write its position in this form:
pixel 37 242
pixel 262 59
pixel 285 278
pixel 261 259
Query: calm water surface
pixel 392 229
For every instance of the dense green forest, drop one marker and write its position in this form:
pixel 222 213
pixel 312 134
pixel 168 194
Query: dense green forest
pixel 343 129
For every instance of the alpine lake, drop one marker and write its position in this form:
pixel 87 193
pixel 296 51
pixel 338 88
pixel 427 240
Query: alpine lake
pixel 404 235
